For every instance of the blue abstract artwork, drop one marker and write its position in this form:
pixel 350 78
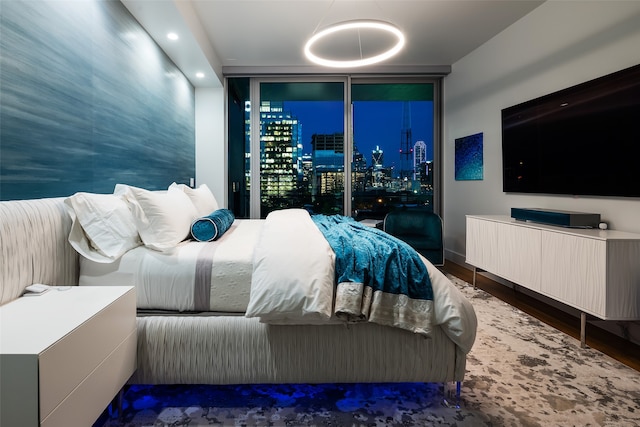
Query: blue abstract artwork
pixel 468 158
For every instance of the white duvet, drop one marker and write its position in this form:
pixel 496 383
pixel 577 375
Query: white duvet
pixel 196 276
pixel 280 270
pixel 294 279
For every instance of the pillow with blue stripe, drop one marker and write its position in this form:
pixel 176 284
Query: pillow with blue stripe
pixel 212 226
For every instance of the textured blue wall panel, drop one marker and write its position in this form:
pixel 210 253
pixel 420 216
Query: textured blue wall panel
pixel 88 100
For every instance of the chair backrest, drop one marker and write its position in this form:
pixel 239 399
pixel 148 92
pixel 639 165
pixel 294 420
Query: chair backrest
pixel 421 229
pixel 416 222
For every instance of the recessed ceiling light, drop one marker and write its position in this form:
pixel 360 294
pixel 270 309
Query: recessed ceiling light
pixel 200 75
pixel 355 25
pixel 172 36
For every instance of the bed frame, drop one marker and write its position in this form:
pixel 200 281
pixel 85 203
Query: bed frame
pixel 226 349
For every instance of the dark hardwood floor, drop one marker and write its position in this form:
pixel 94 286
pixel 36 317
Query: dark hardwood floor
pixel 597 338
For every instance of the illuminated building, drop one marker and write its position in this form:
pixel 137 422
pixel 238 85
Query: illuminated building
pixel 358 171
pixel 280 139
pixel 377 159
pixel 419 157
pixel 328 163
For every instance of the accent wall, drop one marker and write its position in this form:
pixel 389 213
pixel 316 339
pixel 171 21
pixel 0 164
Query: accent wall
pixel 88 100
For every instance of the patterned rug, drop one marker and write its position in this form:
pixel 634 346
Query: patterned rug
pixel 520 372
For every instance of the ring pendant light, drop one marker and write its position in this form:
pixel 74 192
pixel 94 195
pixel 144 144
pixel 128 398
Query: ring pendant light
pixel 355 25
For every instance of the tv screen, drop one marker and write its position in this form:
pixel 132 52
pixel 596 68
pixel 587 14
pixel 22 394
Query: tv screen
pixel 583 140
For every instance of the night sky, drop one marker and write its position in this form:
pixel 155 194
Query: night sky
pixel 376 123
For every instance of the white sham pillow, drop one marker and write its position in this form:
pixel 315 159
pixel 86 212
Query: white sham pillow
pixel 163 218
pixel 201 197
pixel 103 227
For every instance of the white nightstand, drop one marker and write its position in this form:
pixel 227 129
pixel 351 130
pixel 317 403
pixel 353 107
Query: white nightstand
pixel 65 354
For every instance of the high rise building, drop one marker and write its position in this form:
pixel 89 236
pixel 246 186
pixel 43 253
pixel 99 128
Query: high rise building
pixel 328 163
pixel 280 139
pixel 419 157
pixel 359 162
pixel 358 170
pixel 377 157
pixel 333 142
pixel 425 176
pixel 307 171
pixel 406 149
pixel 377 166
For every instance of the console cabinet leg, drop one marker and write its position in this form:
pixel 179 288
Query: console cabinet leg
pixel 476 270
pixel 583 329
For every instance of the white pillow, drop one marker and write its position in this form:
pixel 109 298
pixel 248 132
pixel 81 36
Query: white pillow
pixel 201 197
pixel 163 219
pixel 103 227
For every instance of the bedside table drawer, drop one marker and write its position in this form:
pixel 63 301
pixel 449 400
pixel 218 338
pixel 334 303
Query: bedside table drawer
pixel 72 359
pixel 64 355
pixel 101 385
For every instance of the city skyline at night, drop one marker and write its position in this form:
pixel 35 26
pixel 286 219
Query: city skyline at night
pixel 296 173
pixel 376 124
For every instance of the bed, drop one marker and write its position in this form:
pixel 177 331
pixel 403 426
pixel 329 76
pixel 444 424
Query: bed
pixel 198 321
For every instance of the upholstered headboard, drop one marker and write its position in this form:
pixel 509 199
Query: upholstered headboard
pixel 34 246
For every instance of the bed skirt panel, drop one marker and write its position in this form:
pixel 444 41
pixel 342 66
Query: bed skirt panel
pixel 238 350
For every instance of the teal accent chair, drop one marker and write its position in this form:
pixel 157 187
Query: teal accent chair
pixel 421 229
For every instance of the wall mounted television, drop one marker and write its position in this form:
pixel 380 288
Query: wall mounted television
pixel 583 140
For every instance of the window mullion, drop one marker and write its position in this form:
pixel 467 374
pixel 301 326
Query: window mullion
pixel 348 146
pixel 254 195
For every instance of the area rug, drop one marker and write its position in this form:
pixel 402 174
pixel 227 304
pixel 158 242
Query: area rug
pixel 520 372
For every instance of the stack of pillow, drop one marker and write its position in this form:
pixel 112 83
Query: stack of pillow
pixel 106 226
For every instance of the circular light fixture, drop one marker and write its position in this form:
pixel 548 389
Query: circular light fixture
pixel 172 36
pixel 355 25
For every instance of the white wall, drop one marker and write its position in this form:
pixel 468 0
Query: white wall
pixel 557 45
pixel 211 156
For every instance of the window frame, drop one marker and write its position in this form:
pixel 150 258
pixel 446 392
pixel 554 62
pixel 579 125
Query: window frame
pixel 348 81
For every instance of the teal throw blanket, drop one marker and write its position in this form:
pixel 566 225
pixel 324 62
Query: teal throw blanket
pixel 374 258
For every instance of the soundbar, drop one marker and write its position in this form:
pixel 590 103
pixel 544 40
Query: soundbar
pixel 555 217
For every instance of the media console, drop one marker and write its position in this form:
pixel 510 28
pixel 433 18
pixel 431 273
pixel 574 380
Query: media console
pixel 592 270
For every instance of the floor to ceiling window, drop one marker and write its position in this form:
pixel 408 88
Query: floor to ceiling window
pixel 393 147
pixel 336 145
pixel 301 147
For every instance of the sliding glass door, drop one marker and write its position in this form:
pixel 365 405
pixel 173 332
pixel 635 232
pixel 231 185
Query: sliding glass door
pixel 301 146
pixel 338 145
pixel 393 147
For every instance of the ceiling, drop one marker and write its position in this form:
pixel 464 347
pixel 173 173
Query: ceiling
pixel 218 37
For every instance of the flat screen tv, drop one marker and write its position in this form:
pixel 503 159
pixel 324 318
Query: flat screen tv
pixel 583 140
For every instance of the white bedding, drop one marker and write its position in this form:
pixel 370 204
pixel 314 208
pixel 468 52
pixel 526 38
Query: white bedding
pixel 293 274
pixel 177 281
pixel 293 284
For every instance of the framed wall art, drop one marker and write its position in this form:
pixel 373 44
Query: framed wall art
pixel 468 158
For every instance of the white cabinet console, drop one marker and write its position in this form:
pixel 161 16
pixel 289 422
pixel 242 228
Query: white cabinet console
pixel 65 354
pixel 594 271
